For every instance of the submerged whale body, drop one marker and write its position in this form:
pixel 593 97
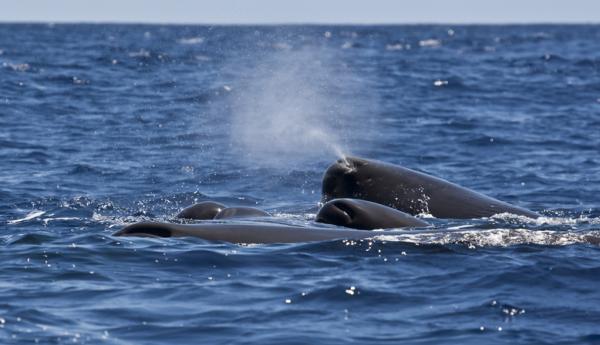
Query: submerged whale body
pixel 350 213
pixel 409 191
pixel 240 232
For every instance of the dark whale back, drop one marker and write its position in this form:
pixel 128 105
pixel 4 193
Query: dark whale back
pixel 202 211
pixel 409 191
pixel 208 210
pixel 365 215
pixel 241 212
pixel 239 232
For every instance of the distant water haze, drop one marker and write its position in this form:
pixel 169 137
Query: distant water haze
pixel 307 11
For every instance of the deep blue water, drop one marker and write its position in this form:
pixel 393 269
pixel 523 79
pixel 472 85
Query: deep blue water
pixel 104 125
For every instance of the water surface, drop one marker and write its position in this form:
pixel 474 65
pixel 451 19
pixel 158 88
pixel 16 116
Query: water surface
pixel 104 125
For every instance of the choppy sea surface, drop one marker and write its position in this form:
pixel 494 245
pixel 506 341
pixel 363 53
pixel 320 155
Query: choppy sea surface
pixel 105 125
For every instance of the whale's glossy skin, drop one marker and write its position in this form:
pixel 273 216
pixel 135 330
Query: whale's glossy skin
pixel 241 212
pixel 365 215
pixel 239 232
pixel 208 210
pixel 202 211
pixel 351 213
pixel 409 191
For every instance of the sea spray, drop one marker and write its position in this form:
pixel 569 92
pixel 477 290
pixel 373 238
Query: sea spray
pixel 289 111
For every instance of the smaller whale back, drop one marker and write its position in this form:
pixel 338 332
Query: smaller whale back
pixel 202 211
pixel 365 215
pixel 208 210
pixel 350 213
pixel 241 212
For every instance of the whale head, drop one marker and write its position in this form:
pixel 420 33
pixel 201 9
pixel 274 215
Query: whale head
pixel 343 177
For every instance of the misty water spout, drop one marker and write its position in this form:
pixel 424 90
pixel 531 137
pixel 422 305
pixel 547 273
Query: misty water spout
pixel 287 110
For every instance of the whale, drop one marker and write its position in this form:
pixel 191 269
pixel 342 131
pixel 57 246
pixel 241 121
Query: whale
pixel 245 232
pixel 365 215
pixel 409 191
pixel 202 211
pixel 241 212
pixel 208 210
pixel 352 215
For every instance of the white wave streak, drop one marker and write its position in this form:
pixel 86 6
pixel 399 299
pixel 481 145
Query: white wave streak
pixel 54 219
pixel 566 221
pixel 190 40
pixel 31 215
pixel 547 220
pixel 496 237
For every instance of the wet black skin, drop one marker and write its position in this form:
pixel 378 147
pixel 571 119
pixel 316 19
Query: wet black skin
pixel 409 191
pixel 208 210
pixel 365 215
pixel 241 212
pixel 202 211
pixel 358 214
pixel 240 232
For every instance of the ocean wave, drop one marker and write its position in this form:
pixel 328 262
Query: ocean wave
pixel 498 237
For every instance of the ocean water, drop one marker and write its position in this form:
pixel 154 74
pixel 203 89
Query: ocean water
pixel 105 125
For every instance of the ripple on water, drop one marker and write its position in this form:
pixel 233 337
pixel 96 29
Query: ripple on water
pixel 106 125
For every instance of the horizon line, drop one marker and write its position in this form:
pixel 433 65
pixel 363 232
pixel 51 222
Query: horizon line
pixel 294 23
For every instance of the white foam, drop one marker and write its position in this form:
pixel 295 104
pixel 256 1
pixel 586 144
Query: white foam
pixel 546 220
pixel 430 43
pixel 496 237
pixel 191 40
pixel 114 221
pixel 458 227
pixel 31 215
pixel 393 47
pixel 19 67
pixel 140 53
pixel 52 219
pixel 291 216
